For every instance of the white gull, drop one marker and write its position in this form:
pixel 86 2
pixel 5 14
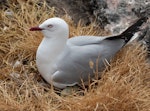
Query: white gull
pixel 65 62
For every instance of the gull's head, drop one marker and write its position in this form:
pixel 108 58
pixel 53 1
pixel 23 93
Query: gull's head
pixel 53 27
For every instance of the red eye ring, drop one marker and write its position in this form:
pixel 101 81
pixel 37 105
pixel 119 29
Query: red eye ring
pixel 50 26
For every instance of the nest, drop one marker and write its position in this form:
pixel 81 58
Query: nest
pixel 124 85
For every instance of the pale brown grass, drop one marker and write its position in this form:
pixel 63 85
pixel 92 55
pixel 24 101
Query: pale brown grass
pixel 124 86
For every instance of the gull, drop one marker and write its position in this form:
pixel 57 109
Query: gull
pixel 64 61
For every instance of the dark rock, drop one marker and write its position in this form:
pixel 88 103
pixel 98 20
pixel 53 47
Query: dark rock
pixel 77 9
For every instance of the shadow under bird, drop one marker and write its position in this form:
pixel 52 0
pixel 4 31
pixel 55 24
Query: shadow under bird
pixel 64 62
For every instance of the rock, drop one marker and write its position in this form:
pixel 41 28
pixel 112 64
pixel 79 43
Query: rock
pixel 147 39
pixel 77 9
pixel 117 11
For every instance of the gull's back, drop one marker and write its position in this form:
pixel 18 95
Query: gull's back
pixel 80 61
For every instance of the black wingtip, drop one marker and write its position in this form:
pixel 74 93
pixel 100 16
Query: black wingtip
pixel 130 31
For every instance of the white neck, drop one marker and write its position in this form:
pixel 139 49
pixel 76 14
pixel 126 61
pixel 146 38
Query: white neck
pixel 47 54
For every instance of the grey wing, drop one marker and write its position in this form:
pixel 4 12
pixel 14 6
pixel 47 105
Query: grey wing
pixel 74 63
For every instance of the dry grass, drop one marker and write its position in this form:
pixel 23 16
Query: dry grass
pixel 125 85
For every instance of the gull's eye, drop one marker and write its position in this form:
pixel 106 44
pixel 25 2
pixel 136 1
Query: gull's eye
pixel 50 26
